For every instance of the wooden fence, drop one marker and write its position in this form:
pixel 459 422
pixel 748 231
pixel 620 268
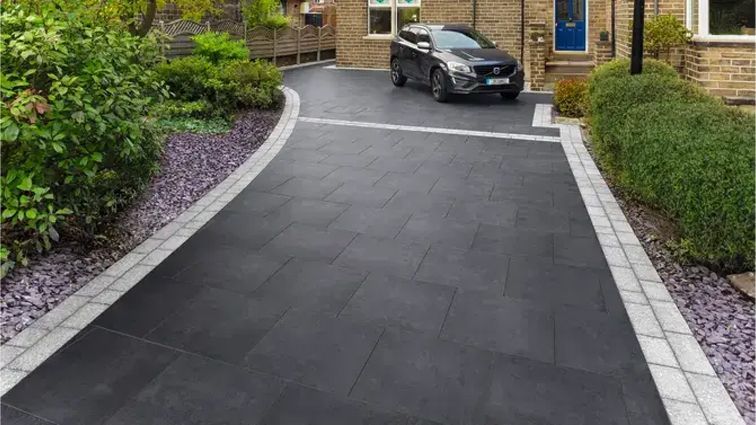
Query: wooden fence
pixel 262 42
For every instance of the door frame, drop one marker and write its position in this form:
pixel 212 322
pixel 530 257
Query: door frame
pixel 587 12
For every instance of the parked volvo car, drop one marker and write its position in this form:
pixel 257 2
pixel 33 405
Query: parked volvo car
pixel 454 59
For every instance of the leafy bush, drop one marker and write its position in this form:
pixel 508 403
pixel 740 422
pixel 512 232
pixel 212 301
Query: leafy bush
pixel 75 144
pixel 672 146
pixel 277 21
pixel 621 67
pixel 217 47
pixel 193 125
pixel 664 32
pixel 189 78
pixel 265 13
pixel 252 83
pixel 694 161
pixel 176 108
pixel 613 94
pixel 571 97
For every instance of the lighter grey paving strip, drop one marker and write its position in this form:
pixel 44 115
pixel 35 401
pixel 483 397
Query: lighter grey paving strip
pixel 437 130
pixel 691 392
pixel 30 348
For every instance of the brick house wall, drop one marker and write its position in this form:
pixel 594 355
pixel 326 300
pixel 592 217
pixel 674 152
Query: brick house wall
pixel 723 69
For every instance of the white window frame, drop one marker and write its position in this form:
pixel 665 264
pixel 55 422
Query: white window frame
pixel 703 33
pixel 394 6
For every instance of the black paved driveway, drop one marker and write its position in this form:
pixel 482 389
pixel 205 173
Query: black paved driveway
pixel 370 276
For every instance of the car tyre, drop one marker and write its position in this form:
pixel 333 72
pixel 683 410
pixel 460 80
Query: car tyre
pixel 438 85
pixel 397 77
pixel 512 95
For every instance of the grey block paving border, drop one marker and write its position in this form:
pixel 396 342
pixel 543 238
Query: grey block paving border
pixel 32 346
pixel 690 389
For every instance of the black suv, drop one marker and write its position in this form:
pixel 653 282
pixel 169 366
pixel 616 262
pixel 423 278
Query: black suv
pixel 454 59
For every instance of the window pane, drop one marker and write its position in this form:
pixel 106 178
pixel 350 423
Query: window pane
pixel 422 35
pixel 379 21
pixel 562 10
pixel 731 16
pixel 407 15
pixel 577 10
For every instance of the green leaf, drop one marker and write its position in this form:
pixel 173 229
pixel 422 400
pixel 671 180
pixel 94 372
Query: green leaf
pixel 10 133
pixel 26 184
pixel 8 212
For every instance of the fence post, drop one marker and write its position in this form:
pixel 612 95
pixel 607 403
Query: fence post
pixel 299 40
pixel 245 33
pixel 207 23
pixel 320 30
pixel 275 44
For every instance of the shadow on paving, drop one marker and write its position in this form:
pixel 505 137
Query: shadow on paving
pixel 369 277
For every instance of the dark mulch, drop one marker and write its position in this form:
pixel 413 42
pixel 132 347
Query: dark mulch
pixel 720 316
pixel 192 165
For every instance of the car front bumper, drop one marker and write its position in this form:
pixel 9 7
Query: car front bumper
pixel 468 84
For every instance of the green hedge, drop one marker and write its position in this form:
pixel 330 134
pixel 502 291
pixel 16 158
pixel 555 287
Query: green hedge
pixel 571 97
pixel 671 146
pixel 75 143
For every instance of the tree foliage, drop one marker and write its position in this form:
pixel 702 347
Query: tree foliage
pixel 264 13
pixel 662 34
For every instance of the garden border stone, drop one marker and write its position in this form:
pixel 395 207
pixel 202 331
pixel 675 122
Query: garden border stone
pixel 690 390
pixel 27 350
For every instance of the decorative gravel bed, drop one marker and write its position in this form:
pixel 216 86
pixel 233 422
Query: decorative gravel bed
pixel 192 165
pixel 720 316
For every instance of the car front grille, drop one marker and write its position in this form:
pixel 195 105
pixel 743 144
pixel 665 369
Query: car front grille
pixel 486 70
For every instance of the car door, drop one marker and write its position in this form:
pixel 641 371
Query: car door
pixel 423 58
pixel 408 52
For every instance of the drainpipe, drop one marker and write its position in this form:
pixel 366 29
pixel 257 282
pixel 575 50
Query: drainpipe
pixel 614 27
pixel 522 31
pixel 474 12
pixel 656 7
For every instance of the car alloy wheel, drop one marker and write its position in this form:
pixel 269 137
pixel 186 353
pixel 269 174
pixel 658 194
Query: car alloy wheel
pixel 437 86
pixel 396 73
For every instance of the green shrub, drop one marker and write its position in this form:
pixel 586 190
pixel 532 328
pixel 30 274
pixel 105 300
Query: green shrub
pixel 172 108
pixel 252 84
pixel 613 95
pixel 621 67
pixel 193 125
pixel 571 97
pixel 265 13
pixel 663 33
pixel 276 21
pixel 217 47
pixel 189 78
pixel 694 161
pixel 75 142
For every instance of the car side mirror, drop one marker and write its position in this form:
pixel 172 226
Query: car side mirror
pixel 423 45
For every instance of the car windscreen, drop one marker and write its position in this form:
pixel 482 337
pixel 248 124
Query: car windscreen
pixel 447 38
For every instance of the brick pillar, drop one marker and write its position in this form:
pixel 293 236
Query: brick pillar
pixel 538 49
pixel 603 52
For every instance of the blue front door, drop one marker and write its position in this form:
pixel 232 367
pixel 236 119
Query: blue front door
pixel 570 24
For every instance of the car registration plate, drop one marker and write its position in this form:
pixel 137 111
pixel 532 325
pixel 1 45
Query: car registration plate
pixel 496 81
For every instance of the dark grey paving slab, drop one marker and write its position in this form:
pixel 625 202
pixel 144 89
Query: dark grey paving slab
pixel 256 202
pixel 354 175
pixel 552 394
pixel 317 351
pixel 372 221
pixel 219 324
pixel 463 189
pixel 439 231
pixel 311 286
pixel 359 194
pixel 308 243
pixel 302 405
pixel 307 188
pixel 514 241
pixel 542 219
pixel 486 212
pixel 267 180
pixel 596 342
pixel 506 325
pixel 230 268
pixel 197 391
pixel 245 231
pixel 301 154
pixel 349 159
pixel 407 181
pixel 309 211
pixel 91 379
pixel 385 256
pixel 393 301
pixel 578 251
pixel 538 279
pixel 12 416
pixel 302 169
pixel 464 269
pixel 420 203
pixel 407 367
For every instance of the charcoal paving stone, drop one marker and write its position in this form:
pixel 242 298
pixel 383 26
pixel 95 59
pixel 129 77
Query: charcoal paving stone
pixel 393 301
pixel 501 324
pixel 90 379
pixel 197 391
pixel 407 366
pixel 372 221
pixel 307 188
pixel 257 202
pixel 420 204
pixel 230 268
pixel 554 394
pixel 494 213
pixel 381 255
pixel 538 279
pixel 302 169
pixel 358 194
pixel 242 230
pixel 549 220
pixel 514 241
pixel 310 286
pixel 463 189
pixel 308 242
pixel 364 176
pixel 349 159
pixel 13 416
pixel 309 211
pixel 219 324
pixel 406 181
pixel 578 251
pixel 464 269
pixel 439 231
pixel 318 351
pixel 267 180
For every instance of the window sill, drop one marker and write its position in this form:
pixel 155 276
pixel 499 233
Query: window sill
pixel 378 37
pixel 722 38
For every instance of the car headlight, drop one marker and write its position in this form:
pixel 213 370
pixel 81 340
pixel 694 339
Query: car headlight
pixel 519 66
pixel 459 67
